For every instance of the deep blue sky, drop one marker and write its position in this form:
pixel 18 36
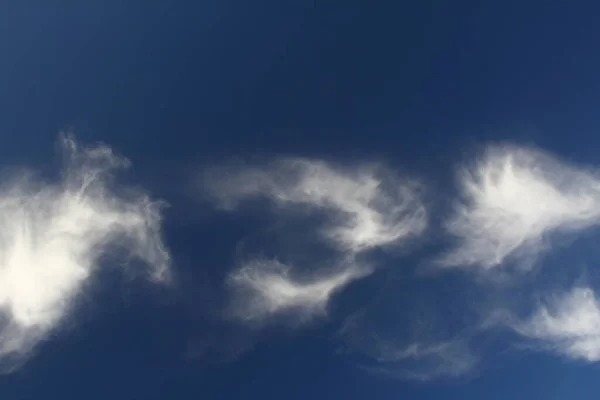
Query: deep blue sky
pixel 175 85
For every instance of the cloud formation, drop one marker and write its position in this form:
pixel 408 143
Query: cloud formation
pixel 426 362
pixel 371 207
pixel 54 236
pixel 568 324
pixel 268 288
pixel 366 207
pixel 421 359
pixel 512 199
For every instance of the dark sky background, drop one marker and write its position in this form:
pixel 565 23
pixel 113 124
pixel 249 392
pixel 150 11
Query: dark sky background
pixel 177 85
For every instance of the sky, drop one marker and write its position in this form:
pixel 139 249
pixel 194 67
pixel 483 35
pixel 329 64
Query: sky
pixel 299 199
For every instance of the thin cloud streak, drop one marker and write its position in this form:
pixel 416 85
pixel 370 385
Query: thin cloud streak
pixel 511 200
pixel 392 351
pixel 53 236
pixel 268 288
pixel 426 362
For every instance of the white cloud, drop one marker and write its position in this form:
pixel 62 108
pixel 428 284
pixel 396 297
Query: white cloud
pixel 426 362
pixel 367 206
pixel 568 324
pixel 513 198
pixel 372 207
pixel 53 236
pixel 268 288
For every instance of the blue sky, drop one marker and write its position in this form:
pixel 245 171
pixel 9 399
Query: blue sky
pixel 299 199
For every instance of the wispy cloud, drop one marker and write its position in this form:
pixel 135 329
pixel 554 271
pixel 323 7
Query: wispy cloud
pixel 54 235
pixel 366 207
pixel 568 323
pixel 371 207
pixel 421 359
pixel 426 362
pixel 511 199
pixel 269 288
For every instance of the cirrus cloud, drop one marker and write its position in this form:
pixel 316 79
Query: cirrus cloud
pixel 512 199
pixel 371 207
pixel 268 288
pixel 54 235
pixel 366 207
pixel 568 324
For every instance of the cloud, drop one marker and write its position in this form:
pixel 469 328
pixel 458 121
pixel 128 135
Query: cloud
pixel 512 199
pixel 406 343
pixel 425 361
pixel 569 324
pixel 371 207
pixel 55 235
pixel 366 207
pixel 268 288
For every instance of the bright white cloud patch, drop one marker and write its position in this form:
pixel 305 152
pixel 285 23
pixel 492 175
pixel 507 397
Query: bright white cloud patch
pixel 53 235
pixel 511 199
pixel 367 208
pixel 268 288
pixel 568 324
